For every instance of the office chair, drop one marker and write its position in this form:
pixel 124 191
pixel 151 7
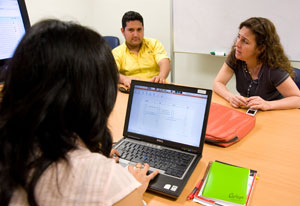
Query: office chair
pixel 112 41
pixel 297 77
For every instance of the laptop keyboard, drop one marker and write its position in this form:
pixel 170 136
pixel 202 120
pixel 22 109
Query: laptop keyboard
pixel 171 162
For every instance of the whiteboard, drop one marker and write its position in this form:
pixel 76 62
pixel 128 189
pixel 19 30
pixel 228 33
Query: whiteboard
pixel 202 26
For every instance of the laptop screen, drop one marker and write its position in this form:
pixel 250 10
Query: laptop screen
pixel 168 114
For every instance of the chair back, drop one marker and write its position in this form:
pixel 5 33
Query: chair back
pixel 112 41
pixel 297 77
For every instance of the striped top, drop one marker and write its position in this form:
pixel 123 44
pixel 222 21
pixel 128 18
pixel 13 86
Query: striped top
pixel 89 179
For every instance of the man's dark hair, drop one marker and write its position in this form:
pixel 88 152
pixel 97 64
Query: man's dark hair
pixel 131 16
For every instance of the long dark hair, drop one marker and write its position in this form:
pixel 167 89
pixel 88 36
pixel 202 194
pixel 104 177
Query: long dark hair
pixel 266 37
pixel 61 85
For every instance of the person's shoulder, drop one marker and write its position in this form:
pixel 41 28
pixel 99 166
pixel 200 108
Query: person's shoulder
pixel 119 49
pixel 233 63
pixel 279 72
pixel 151 42
pixel 86 158
pixel 276 75
pixel 276 71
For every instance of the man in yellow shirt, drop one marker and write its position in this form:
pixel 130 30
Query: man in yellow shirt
pixel 139 57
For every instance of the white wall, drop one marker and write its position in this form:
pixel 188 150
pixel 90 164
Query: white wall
pixel 105 17
pixel 199 70
pixel 75 10
pixel 156 14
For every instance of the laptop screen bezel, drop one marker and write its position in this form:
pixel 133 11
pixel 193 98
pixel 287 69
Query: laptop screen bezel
pixel 183 147
pixel 26 25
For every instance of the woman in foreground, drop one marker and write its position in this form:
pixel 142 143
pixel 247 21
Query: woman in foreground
pixel 60 89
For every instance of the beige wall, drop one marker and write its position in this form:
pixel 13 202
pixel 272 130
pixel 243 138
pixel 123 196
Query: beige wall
pixel 105 17
pixel 75 10
pixel 199 70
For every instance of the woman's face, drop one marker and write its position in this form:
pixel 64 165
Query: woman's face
pixel 245 45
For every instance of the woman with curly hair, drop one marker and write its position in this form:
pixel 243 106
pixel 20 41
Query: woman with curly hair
pixel 263 71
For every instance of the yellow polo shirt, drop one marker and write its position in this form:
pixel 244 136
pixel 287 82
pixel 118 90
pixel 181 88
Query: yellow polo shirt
pixel 145 64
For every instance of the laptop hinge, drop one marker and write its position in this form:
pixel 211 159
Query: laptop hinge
pixel 133 137
pixel 189 150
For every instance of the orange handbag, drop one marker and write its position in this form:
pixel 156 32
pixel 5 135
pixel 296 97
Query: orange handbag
pixel 226 125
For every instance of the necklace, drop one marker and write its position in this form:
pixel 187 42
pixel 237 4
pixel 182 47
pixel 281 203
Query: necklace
pixel 253 81
pixel 255 70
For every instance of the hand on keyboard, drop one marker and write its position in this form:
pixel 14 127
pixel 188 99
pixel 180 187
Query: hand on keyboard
pixel 140 174
pixel 115 155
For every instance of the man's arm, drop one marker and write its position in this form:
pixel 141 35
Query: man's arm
pixel 165 67
pixel 126 80
pixel 118 56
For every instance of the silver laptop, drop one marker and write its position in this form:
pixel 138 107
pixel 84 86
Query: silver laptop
pixel 165 127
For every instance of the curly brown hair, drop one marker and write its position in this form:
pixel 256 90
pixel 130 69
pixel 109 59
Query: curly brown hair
pixel 266 37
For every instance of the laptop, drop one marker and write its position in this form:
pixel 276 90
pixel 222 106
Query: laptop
pixel 165 127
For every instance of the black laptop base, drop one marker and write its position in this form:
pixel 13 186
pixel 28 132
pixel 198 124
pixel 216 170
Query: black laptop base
pixel 166 117
pixel 165 185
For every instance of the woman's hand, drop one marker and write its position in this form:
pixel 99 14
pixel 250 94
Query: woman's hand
pixel 237 101
pixel 140 174
pixel 115 155
pixel 256 102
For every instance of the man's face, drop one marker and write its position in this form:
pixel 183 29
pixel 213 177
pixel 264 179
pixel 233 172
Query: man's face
pixel 133 33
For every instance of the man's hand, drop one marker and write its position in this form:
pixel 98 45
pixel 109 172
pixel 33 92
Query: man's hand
pixel 127 80
pixel 158 79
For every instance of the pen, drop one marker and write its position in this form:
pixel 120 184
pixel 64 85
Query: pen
pixel 199 184
pixel 252 185
pixel 217 53
pixel 191 195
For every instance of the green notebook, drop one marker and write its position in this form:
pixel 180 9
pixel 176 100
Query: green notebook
pixel 227 182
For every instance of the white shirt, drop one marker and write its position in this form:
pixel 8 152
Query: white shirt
pixel 89 179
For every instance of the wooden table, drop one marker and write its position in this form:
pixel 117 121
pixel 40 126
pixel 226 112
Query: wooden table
pixel 272 148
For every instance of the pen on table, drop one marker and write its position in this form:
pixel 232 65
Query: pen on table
pixel 199 184
pixel 217 53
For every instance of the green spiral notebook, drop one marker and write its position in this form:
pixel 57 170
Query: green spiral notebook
pixel 227 184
